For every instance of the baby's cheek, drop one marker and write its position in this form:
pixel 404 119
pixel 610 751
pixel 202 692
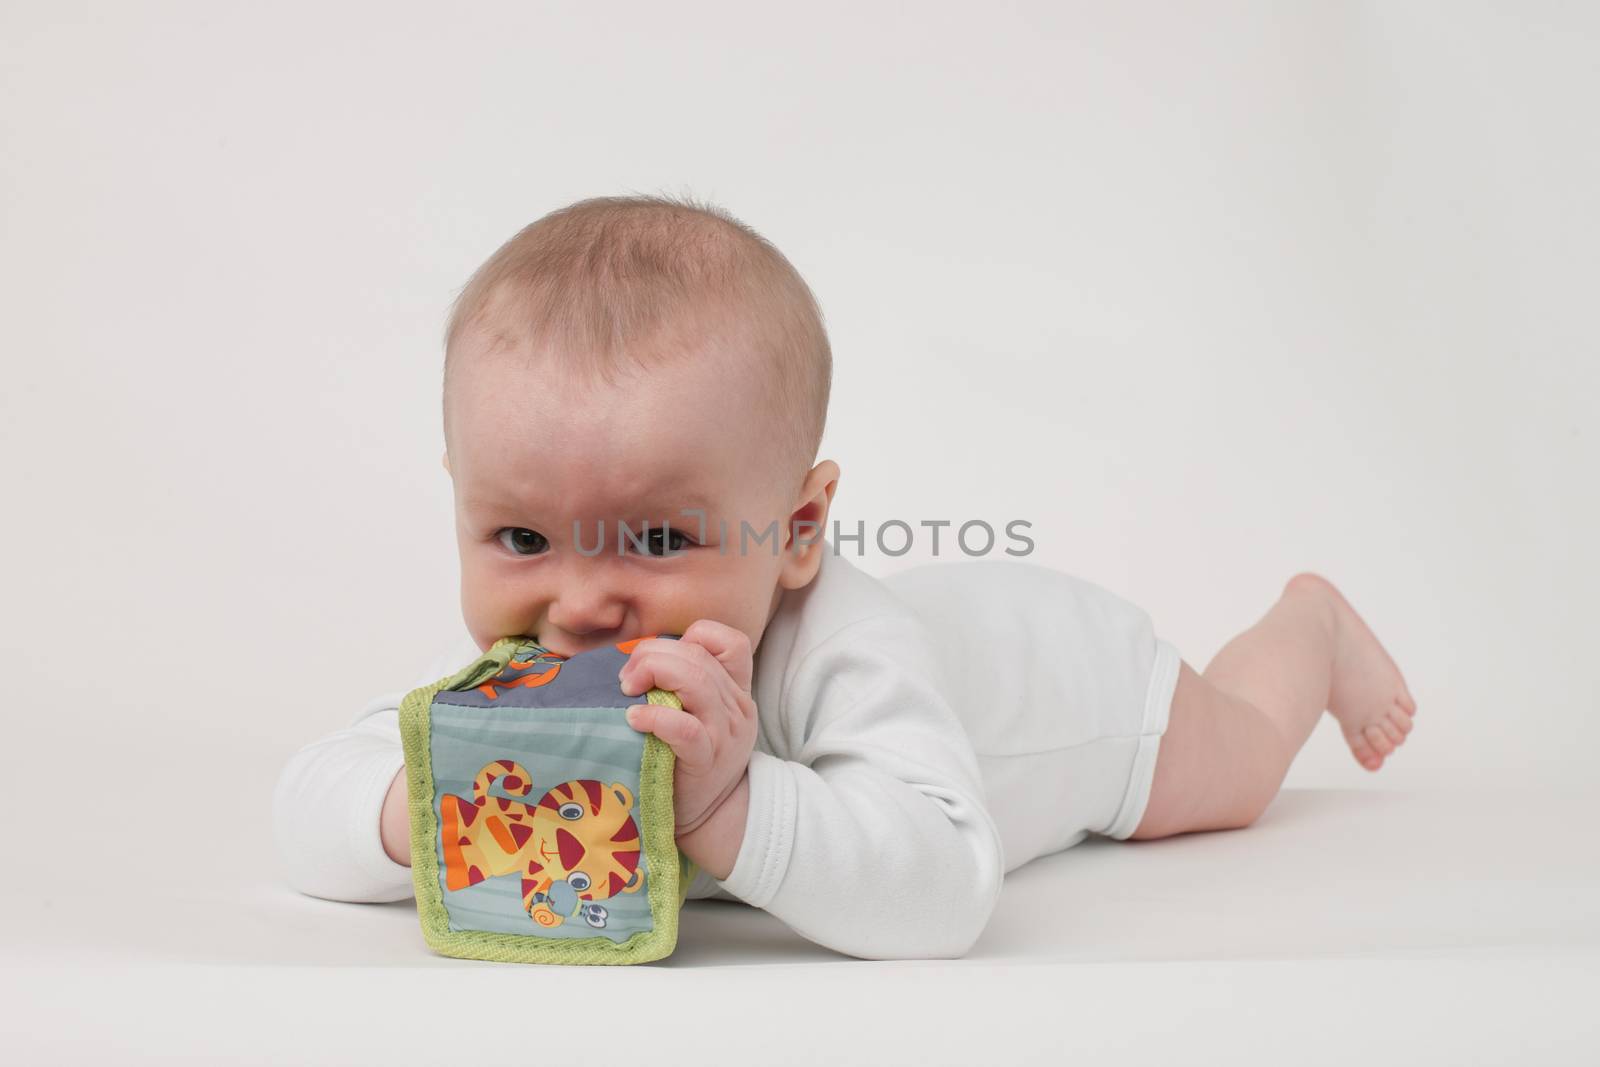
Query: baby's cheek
pixel 488 616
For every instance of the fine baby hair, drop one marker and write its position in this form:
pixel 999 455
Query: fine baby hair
pixel 541 822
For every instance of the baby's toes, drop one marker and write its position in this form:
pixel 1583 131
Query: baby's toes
pixel 1379 740
pixel 1395 735
pixel 1401 720
pixel 1363 752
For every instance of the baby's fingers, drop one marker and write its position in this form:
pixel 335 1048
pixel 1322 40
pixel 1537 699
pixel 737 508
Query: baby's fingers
pixel 727 646
pixel 687 670
pixel 682 732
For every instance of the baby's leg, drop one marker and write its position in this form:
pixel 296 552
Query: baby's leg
pixel 1234 730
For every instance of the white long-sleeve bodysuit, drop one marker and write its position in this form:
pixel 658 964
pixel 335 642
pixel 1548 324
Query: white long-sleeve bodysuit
pixel 918 736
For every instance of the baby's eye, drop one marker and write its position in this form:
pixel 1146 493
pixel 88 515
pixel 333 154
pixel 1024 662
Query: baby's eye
pixel 523 542
pixel 660 540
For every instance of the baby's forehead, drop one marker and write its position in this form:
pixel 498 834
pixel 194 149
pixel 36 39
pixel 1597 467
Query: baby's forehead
pixel 658 433
pixel 708 378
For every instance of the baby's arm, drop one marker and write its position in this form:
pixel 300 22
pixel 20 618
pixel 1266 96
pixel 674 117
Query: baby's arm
pixel 326 813
pixel 872 839
pixel 339 811
pixel 394 824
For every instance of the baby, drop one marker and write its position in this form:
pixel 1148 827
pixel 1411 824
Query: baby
pixel 862 758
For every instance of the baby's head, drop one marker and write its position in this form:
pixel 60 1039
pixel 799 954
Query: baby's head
pixel 617 362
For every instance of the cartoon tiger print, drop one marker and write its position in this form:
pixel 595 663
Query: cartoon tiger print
pixel 579 836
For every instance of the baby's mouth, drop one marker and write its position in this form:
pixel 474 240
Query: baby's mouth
pixel 569 652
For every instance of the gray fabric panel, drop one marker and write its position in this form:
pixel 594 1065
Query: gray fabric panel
pixel 587 680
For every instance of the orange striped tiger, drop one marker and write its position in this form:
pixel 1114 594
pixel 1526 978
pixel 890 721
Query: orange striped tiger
pixel 579 838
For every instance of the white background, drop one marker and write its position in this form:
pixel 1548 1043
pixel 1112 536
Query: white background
pixel 1209 294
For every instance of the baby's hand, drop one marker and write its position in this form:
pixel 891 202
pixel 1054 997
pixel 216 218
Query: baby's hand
pixel 710 669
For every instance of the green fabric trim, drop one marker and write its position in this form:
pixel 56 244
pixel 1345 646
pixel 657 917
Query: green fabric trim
pixel 670 870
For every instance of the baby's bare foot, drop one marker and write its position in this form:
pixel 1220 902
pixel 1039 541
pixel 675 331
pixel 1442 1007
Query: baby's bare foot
pixel 1367 695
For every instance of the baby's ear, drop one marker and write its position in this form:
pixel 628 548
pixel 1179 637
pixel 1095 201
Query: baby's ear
pixel 806 536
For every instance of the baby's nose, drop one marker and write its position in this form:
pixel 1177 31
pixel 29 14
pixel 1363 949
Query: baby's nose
pixel 587 608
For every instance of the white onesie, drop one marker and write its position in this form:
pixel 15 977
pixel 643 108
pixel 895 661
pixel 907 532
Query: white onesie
pixel 918 736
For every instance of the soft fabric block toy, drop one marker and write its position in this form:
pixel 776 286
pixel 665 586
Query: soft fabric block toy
pixel 541 822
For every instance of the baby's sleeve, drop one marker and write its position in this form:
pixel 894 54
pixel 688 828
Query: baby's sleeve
pixel 329 798
pixel 873 839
